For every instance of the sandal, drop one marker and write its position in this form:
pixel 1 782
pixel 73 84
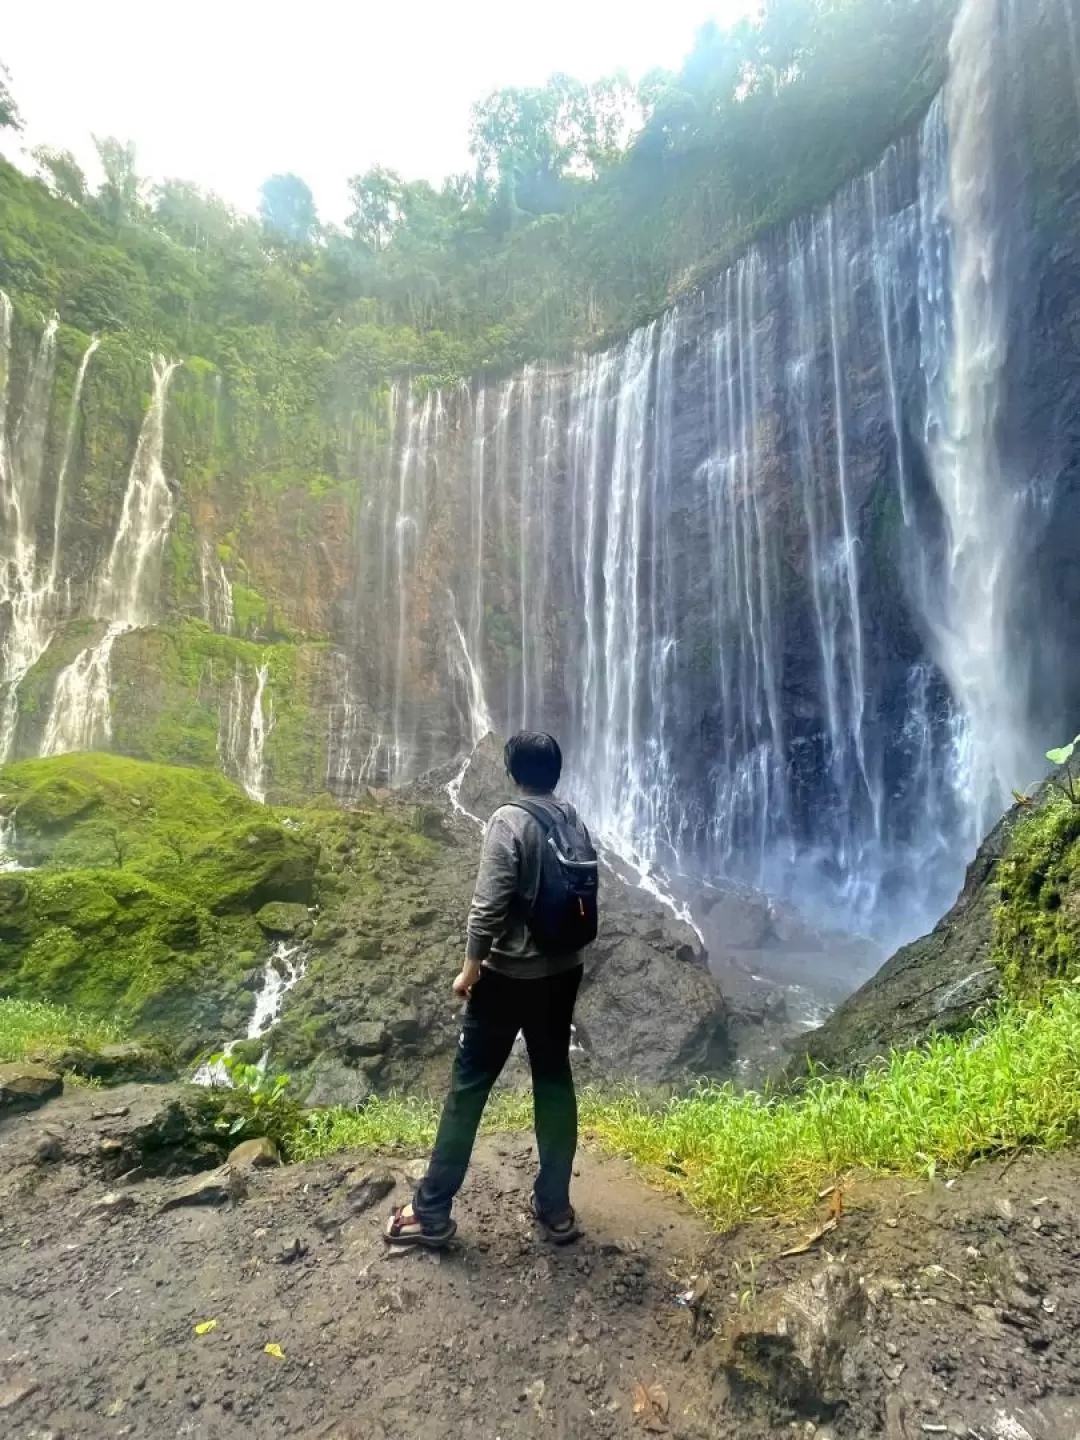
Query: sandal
pixel 561 1231
pixel 405 1228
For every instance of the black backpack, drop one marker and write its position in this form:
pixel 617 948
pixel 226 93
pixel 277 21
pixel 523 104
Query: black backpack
pixel 564 917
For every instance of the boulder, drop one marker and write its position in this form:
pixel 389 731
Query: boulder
pixel 116 1064
pixel 257 1154
pixel 791 1349
pixel 24 1086
pixel 335 1083
pixel 213 1187
pixel 281 919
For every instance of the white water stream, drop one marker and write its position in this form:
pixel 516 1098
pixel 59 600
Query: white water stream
pixel 284 967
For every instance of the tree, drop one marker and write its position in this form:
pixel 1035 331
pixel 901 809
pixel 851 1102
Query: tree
pixel 120 195
pixel 10 119
pixel 377 207
pixel 287 209
pixel 62 173
pixel 193 216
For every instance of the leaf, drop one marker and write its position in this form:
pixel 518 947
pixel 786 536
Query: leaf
pixel 205 1326
pixel 659 1397
pixel 641 1400
pixel 810 1241
pixel 1062 756
pixel 274 1350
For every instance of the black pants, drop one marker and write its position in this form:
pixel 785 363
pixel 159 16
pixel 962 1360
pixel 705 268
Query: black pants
pixel 499 1007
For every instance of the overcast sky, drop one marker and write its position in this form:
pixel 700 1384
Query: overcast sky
pixel 227 92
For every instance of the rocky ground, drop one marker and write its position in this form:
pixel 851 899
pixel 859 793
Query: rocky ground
pixel 900 1310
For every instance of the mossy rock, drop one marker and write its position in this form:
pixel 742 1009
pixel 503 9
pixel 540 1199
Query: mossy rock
pixel 283 920
pixel 1037 919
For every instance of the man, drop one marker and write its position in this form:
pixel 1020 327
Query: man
pixel 533 910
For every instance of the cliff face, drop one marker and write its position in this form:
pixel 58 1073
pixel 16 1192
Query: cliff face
pixel 731 561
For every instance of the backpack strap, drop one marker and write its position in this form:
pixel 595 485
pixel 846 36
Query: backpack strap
pixel 539 812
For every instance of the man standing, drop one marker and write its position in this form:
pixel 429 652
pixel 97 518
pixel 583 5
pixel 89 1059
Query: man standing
pixel 533 912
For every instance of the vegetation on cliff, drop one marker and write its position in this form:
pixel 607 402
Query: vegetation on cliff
pixel 1037 919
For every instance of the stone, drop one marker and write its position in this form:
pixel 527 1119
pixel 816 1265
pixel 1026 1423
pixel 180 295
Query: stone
pixel 794 1344
pixel 335 1083
pixel 282 920
pixel 25 1086
pixel 366 1192
pixel 214 1187
pixel 114 1204
pixel 365 1038
pixel 15 1391
pixel 260 1153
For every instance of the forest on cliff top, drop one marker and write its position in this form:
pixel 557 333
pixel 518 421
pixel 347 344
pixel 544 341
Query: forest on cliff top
pixel 590 207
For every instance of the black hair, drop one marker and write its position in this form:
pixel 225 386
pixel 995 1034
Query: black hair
pixel 533 761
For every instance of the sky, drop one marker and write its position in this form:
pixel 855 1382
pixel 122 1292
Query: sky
pixel 228 92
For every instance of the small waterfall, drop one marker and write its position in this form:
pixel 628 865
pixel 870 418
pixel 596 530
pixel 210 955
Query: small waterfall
pixel 81 714
pixel 217 596
pixel 965 288
pixel 284 968
pixel 244 732
pixel 253 770
pixel 69 447
pixel 8 859
pixel 127 592
pixel 27 596
pixel 480 722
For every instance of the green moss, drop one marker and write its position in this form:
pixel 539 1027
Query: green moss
pixel 250 610
pixel 143 903
pixel 1037 921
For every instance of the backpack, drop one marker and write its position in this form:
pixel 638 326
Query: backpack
pixel 564 917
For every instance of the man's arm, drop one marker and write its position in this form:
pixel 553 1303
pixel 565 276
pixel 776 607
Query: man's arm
pixel 496 887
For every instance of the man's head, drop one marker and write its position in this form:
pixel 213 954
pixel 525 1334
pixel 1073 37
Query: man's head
pixel 534 762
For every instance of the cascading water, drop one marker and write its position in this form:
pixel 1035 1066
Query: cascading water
pixel 966 276
pixel 244 732
pixel 753 565
pixel 253 771
pixel 126 594
pixel 284 967
pixel 25 594
pixel 216 592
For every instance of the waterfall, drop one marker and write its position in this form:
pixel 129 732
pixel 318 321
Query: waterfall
pixel 253 771
pixel 8 858
pixel 217 596
pixel 127 592
pixel 966 270
pixel 69 447
pixel 243 734
pixel 284 968
pixel 24 592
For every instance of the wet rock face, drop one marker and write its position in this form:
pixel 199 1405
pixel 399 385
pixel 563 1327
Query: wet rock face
pixel 1015 918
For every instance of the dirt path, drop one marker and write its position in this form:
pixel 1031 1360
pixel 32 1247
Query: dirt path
pixel 505 1336
pixel 925 1310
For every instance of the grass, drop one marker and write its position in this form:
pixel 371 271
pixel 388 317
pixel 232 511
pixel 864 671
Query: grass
pixel 1011 1084
pixel 32 1027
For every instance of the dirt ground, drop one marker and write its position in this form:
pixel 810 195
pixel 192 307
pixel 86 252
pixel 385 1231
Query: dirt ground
pixel 926 1309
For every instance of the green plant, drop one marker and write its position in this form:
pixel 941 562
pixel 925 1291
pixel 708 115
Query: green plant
pixel 259 1103
pixel 1061 758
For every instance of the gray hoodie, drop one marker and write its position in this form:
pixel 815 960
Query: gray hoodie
pixel 505 890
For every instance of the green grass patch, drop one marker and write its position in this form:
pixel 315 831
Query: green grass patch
pixel 1012 1083
pixel 33 1027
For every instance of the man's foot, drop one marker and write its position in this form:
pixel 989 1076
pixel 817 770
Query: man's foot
pixel 559 1229
pixel 404 1228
